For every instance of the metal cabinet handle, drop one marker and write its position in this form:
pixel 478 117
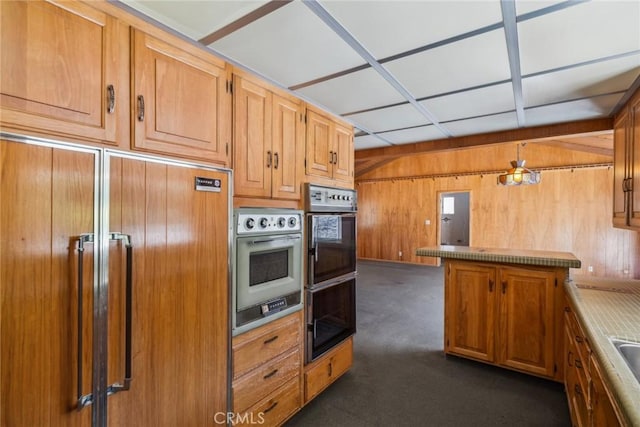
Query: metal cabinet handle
pixel 335 157
pixel 330 367
pixel 126 383
pixel 140 108
pixel 504 287
pixel 270 374
pixel 490 285
pixel 270 340
pixel 83 399
pixel 569 358
pixel 275 160
pixel 330 157
pixel 268 159
pixel 579 339
pixel 578 364
pixel 270 408
pixel 111 99
pixel 578 390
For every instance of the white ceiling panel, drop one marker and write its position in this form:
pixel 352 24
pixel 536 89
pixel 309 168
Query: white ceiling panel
pixel 487 100
pixel 418 134
pixel 368 141
pixel 386 28
pixel 579 82
pixel 526 6
pixel 469 62
pixel 195 19
pixel 401 116
pixel 290 45
pixel 493 123
pixel 583 109
pixel 587 31
pixel 353 92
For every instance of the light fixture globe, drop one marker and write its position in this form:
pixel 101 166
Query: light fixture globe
pixel 519 174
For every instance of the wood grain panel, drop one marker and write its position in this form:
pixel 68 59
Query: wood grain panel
pixel 568 211
pixel 46 201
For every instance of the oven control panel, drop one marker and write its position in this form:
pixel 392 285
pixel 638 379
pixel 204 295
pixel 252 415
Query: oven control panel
pixel 260 221
pixel 330 199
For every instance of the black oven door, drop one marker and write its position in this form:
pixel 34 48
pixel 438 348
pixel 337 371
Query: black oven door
pixel 332 246
pixel 331 317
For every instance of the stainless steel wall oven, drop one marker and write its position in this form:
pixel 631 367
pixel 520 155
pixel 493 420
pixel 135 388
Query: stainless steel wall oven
pixel 267 266
pixel 331 267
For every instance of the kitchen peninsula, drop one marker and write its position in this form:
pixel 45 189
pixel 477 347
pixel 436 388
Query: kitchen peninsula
pixel 505 307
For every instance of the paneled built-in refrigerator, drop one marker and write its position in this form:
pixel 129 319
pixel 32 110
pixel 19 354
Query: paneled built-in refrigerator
pixel 114 300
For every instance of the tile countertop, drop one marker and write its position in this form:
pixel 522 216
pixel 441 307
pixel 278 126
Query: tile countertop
pixel 610 308
pixel 506 256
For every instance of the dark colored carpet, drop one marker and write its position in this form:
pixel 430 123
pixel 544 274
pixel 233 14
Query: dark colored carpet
pixel 400 376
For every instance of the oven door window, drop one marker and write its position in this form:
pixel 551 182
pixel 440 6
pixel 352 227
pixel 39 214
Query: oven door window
pixel 333 246
pixel 266 268
pixel 332 317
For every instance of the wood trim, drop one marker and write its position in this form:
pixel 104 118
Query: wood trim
pixel 456 143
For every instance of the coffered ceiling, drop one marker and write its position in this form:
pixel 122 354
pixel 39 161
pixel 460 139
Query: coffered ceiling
pixel 404 72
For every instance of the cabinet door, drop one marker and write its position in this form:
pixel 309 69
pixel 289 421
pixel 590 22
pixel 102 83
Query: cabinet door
pixel 319 143
pixel 634 165
pixel 603 412
pixel 470 310
pixel 288 148
pixel 180 328
pixel 182 106
pixel 39 188
pixel 60 66
pixel 526 326
pixel 620 170
pixel 343 157
pixel 253 156
pixel 328 369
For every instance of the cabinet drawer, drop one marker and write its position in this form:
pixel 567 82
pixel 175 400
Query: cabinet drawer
pixel 274 409
pixel 328 369
pixel 578 336
pixel 260 382
pixel 254 348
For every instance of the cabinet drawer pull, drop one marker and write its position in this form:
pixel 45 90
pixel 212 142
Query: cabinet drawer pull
pixel 330 368
pixel 504 287
pixel 490 285
pixel 269 158
pixel 569 358
pixel 270 340
pixel 579 339
pixel 270 408
pixel 275 160
pixel 578 364
pixel 111 99
pixel 270 374
pixel 578 390
pixel 140 108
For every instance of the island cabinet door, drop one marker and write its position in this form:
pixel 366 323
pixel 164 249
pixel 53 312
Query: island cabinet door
pixel 526 333
pixel 470 310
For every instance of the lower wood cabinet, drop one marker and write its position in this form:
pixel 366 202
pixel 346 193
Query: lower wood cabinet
pixel 324 371
pixel 505 315
pixel 587 395
pixel 267 366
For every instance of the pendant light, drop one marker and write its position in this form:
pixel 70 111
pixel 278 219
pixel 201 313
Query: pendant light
pixel 518 174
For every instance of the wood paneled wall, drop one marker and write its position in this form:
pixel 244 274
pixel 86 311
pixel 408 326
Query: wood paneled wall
pixel 570 210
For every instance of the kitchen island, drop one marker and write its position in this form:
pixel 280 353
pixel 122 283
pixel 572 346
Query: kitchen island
pixel 505 307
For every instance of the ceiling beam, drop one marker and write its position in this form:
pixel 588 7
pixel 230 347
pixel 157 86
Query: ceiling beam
pixel 461 142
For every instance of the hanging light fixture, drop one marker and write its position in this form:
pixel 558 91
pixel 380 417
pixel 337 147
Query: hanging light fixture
pixel 518 174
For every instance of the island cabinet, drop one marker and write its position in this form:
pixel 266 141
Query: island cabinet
pixel 181 99
pixel 626 171
pixel 65 71
pixel 267 366
pixel 324 371
pixel 329 154
pixel 503 314
pixel 268 141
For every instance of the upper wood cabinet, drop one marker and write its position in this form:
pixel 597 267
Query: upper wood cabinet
pixel 268 141
pixel 64 70
pixel 329 151
pixel 626 175
pixel 182 102
pixel 505 315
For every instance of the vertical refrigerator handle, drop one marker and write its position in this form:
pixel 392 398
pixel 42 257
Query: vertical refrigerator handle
pixel 83 399
pixel 126 383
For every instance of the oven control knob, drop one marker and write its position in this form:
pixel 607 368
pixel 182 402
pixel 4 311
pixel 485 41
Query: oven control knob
pixel 249 223
pixel 281 222
pixel 264 222
pixel 292 221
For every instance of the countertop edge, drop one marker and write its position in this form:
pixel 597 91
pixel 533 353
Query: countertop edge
pixel 610 367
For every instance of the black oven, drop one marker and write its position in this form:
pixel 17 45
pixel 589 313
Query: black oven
pixel 331 267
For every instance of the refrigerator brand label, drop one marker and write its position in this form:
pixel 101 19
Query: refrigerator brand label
pixel 208 184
